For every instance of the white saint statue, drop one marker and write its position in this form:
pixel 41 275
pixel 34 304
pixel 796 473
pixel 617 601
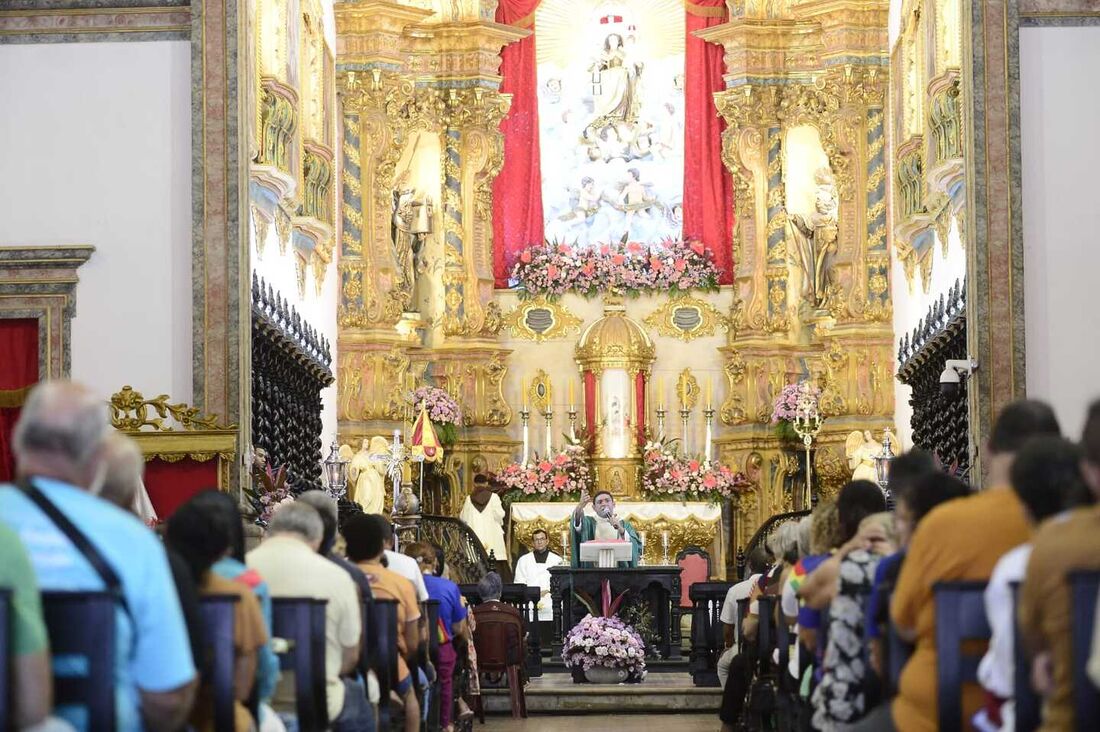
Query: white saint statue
pixel 533 570
pixel 861 448
pixel 484 514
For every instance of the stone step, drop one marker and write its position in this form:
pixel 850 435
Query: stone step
pixel 662 691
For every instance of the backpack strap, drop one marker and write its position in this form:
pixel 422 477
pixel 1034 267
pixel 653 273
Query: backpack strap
pixel 79 540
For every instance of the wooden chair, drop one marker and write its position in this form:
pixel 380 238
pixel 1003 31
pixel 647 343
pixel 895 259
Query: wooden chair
pixel 301 622
pixel 5 658
pixel 218 614
pixel 1028 704
pixel 1086 698
pixel 383 654
pixel 499 643
pixel 960 617
pixel 694 564
pixel 81 625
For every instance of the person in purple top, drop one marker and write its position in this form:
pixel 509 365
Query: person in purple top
pixel 452 624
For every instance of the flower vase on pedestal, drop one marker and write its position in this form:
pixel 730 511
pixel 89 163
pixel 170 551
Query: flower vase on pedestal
pixel 605 675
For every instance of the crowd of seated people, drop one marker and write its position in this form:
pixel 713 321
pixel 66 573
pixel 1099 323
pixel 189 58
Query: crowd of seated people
pixel 70 524
pixel 855 589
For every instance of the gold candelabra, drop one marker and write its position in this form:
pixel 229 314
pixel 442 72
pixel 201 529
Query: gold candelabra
pixel 807 424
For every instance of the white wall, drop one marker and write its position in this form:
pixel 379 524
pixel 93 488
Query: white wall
pixel 1061 162
pixel 95 148
pixel 912 302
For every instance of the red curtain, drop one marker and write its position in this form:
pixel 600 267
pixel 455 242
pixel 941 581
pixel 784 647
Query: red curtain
pixel 590 409
pixel 18 372
pixel 170 485
pixel 640 406
pixel 517 191
pixel 708 189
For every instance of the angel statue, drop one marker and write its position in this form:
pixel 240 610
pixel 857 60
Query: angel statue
pixel 815 237
pixel 367 474
pixel 860 449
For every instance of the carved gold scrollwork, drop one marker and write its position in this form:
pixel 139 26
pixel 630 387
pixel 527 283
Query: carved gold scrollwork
pixel 130 412
pixel 733 409
pixel 687 389
pixel 687 317
pixel 561 322
pixel 278 121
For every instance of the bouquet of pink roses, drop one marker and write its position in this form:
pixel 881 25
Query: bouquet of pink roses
pixel 667 475
pixel 548 479
pixel 555 268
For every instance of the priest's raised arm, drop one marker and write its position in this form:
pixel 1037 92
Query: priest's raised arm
pixel 608 526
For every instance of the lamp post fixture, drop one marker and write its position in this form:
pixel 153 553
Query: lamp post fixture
pixel 882 463
pixel 336 472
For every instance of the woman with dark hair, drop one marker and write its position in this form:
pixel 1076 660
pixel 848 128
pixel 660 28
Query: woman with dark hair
pixel 231 567
pixel 199 531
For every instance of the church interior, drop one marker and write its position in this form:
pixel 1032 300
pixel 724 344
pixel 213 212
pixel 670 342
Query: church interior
pixel 586 338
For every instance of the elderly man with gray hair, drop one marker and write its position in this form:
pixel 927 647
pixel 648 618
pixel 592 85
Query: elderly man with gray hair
pixel 78 542
pixel 289 563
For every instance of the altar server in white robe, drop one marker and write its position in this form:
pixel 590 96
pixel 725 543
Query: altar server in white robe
pixel 533 570
pixel 484 514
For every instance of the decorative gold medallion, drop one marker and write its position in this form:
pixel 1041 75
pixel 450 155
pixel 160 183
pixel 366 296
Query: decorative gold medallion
pixel 687 317
pixel 541 320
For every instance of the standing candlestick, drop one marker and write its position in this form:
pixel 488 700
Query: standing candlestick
pixel 685 414
pixel 565 543
pixel 661 412
pixel 641 554
pixel 708 415
pixel 525 416
pixel 664 547
pixel 807 423
pixel 549 430
pixel 572 422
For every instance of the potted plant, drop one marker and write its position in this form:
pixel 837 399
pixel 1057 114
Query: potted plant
pixel 603 647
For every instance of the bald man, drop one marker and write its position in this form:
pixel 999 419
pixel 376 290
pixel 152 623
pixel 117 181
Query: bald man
pixel 57 441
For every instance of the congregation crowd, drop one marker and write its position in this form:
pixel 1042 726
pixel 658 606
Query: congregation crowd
pixel 67 525
pixel 842 600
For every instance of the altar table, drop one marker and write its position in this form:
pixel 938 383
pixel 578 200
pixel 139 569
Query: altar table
pixel 690 523
pixel 660 586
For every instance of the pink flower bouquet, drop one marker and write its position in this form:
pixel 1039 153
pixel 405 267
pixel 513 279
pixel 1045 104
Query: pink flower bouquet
pixel 667 475
pixel 443 411
pixel 548 479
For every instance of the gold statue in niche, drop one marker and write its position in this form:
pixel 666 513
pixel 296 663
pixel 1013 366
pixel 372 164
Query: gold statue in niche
pixel 815 237
pixel 411 221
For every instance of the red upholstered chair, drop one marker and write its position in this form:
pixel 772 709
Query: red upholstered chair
pixel 694 566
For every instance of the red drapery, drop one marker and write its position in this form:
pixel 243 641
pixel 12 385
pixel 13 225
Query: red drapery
pixel 708 189
pixel 18 372
pixel 170 485
pixel 517 190
pixel 590 409
pixel 640 406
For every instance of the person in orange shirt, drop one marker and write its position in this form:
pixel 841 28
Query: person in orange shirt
pixel 364 534
pixel 961 539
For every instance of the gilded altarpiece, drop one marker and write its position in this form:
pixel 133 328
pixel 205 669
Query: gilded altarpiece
pixel 419 96
pixel 805 105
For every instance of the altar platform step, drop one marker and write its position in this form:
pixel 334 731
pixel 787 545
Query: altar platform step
pixel 662 691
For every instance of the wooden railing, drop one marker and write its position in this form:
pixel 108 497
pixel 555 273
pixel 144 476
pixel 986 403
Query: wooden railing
pixel 706 631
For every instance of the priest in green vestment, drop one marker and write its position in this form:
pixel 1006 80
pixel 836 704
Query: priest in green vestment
pixel 608 526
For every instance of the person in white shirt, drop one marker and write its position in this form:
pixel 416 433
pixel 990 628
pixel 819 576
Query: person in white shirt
pixel 757 565
pixel 1047 478
pixel 533 570
pixel 405 566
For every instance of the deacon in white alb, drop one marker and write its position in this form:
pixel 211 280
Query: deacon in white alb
pixel 533 570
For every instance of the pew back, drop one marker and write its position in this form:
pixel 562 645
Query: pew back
pixel 5 655
pixel 301 622
pixel 218 621
pixel 81 626
pixel 960 617
pixel 1086 699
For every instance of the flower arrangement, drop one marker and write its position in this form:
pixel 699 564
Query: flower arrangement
pixel 548 479
pixel 667 475
pixel 269 488
pixel 605 642
pixel 785 408
pixel 555 268
pixel 443 411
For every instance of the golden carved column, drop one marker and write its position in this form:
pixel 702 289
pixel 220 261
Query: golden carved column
pixel 459 61
pixel 805 106
pixel 376 94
